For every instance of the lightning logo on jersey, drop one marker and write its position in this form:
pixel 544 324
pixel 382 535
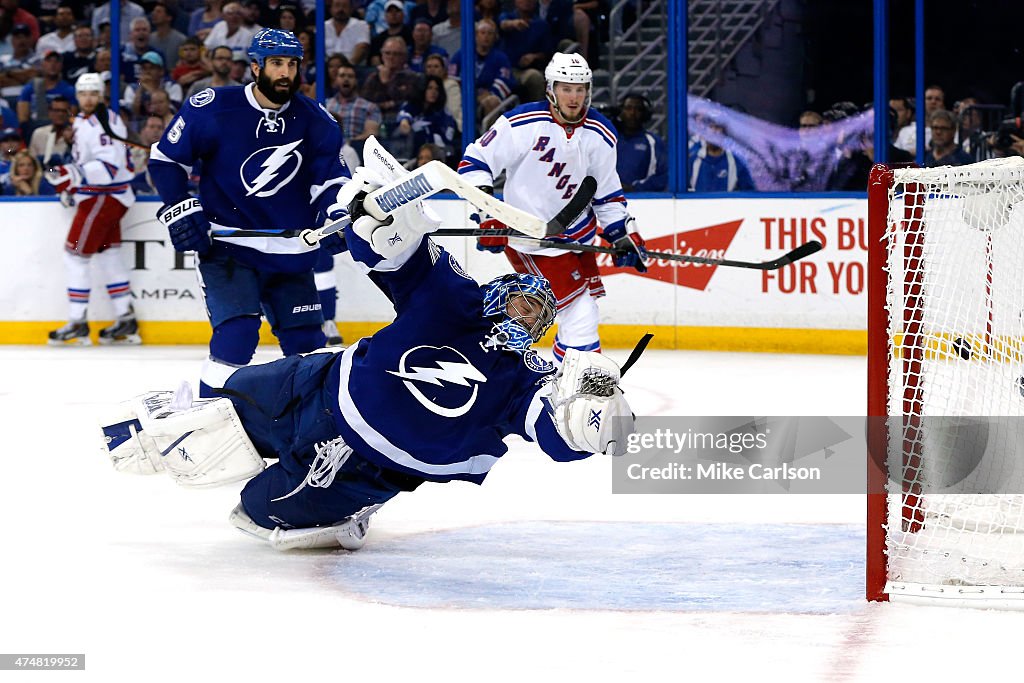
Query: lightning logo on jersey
pixel 270 169
pixel 440 367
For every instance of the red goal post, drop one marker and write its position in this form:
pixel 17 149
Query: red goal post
pixel 945 503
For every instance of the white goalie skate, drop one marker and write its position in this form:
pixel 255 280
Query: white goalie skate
pixel 349 534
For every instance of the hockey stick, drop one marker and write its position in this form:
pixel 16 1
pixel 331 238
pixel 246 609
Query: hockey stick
pixel 803 251
pixel 104 118
pixel 382 201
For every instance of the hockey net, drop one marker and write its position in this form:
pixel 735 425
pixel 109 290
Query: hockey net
pixel 946 365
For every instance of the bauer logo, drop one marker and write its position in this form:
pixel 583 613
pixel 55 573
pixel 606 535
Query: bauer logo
pixel 709 242
pixel 411 189
pixel 306 308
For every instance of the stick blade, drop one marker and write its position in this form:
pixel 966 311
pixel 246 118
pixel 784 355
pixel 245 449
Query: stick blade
pixel 803 251
pixel 577 205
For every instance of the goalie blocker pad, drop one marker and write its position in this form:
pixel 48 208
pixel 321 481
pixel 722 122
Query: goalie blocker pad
pixel 589 410
pixel 201 446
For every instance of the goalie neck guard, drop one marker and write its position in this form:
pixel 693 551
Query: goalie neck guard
pixel 274 42
pixel 499 301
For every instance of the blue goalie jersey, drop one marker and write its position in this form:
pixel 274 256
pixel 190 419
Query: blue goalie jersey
pixel 434 393
pixel 259 168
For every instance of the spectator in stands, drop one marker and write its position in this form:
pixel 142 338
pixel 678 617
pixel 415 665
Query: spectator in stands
pixel 190 67
pixel 395 26
pixel 268 13
pixel 103 36
pixel 8 119
pixel 432 11
pixel 10 143
pixel 528 44
pixel 240 70
pixel 346 35
pixel 589 20
pixel 448 34
pixel 161 105
pixel 307 66
pixel 376 14
pixel 50 143
pixel 148 135
pixel 934 100
pixel 24 176
pixel 487 9
pixel 558 15
pixel 251 10
pixel 203 20
pixel 810 119
pixel 230 30
pixel 130 11
pixel 136 99
pixel 944 150
pixel 165 39
pixel 82 58
pixel 425 119
pixel 422 45
pixel 494 79
pixel 906 128
pixel 18 67
pixel 642 160
pixel 712 168
pixel 291 19
pixel 220 62
pixel 36 95
pixel 358 117
pixel 429 152
pixel 970 129
pixel 102 63
pixel 133 50
pixel 436 65
pixel 393 82
pixel 62 38
pixel 15 15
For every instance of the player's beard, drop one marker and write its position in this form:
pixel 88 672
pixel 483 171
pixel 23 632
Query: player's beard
pixel 270 91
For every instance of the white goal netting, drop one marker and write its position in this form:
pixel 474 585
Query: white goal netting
pixel 955 302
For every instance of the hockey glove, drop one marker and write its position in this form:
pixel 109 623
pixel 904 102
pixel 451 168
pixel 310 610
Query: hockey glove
pixel 64 178
pixel 334 243
pixel 630 248
pixel 492 243
pixel 187 225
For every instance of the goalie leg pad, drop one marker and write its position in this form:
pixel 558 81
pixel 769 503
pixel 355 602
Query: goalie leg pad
pixel 131 450
pixel 200 446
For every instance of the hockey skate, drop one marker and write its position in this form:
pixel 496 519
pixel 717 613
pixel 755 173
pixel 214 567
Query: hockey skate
pixel 332 334
pixel 75 333
pixel 124 331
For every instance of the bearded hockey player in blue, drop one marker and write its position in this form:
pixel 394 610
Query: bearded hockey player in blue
pixel 429 398
pixel 269 159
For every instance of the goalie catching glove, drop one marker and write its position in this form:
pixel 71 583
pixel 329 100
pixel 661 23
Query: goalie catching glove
pixel 589 410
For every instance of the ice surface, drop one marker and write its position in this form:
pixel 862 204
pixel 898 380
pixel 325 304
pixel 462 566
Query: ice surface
pixel 539 574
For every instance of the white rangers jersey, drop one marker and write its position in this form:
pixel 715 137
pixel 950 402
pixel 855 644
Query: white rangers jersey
pixel 544 163
pixel 105 163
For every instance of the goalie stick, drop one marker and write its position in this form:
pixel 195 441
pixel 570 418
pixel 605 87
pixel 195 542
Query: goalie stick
pixel 435 177
pixel 803 251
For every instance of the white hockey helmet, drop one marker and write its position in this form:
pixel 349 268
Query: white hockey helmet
pixel 567 68
pixel 89 82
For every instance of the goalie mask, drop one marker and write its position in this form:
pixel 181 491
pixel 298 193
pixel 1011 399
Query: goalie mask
pixel 525 304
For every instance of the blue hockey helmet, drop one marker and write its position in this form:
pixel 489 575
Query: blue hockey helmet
pixel 500 300
pixel 274 42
